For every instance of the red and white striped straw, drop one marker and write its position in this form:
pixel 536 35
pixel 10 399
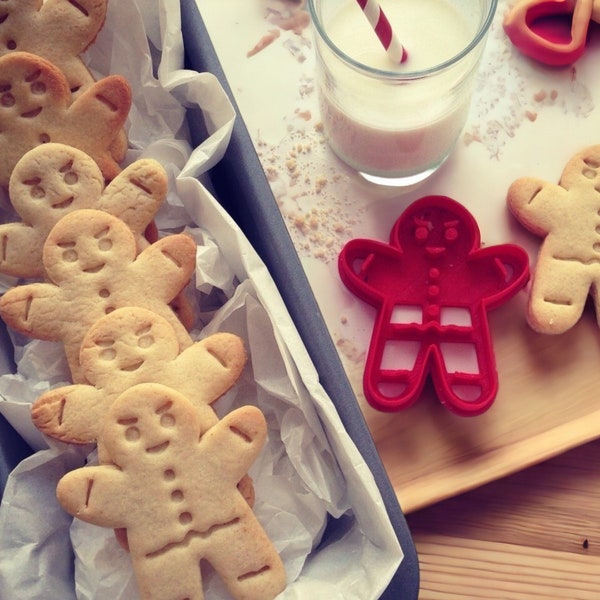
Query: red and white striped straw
pixel 395 50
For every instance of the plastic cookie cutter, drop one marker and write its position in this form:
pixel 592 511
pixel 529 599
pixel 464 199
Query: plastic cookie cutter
pixel 432 286
pixel 553 32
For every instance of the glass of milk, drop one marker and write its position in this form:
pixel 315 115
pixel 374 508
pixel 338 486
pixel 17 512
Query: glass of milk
pixel 395 124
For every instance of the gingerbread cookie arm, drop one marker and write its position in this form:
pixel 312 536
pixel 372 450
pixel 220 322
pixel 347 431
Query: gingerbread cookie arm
pixel 72 414
pixel 136 194
pixel 20 250
pixel 99 113
pixel 233 444
pixel 88 493
pixel 537 204
pixel 212 366
pixel 174 256
pixel 29 309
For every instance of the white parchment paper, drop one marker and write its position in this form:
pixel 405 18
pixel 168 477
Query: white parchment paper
pixel 309 473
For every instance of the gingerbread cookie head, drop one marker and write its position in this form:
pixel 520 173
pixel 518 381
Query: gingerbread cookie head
pixel 52 180
pixel 172 484
pixel 129 344
pixel 36 107
pixel 87 245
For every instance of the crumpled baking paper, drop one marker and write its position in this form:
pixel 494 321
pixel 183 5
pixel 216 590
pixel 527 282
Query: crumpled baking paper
pixel 316 497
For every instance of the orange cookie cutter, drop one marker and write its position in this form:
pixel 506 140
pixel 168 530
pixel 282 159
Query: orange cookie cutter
pixel 540 28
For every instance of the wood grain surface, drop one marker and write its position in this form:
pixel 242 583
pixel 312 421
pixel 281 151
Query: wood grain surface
pixel 533 534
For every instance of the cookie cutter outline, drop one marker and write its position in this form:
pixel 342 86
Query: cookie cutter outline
pixel 370 269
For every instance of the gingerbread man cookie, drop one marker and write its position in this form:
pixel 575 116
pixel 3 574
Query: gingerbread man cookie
pixel 567 216
pixel 432 286
pixel 129 346
pixel 91 260
pixel 36 107
pixel 172 485
pixel 57 30
pixel 53 180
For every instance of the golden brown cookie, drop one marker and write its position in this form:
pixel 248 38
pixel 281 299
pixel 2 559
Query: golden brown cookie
pixel 91 261
pixel 567 216
pixel 53 180
pixel 172 484
pixel 36 107
pixel 58 31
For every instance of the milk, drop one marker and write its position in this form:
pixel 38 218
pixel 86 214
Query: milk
pixel 397 122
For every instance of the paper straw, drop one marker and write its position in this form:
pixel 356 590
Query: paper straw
pixel 383 29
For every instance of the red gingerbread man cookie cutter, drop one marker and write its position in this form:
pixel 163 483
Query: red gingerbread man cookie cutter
pixel 432 286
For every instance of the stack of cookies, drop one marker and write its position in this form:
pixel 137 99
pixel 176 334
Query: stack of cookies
pixel 172 478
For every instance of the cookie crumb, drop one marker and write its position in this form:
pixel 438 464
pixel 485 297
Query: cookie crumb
pixel 532 116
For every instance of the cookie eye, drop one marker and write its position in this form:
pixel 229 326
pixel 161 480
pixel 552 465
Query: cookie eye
pixel 167 420
pixel 37 192
pixel 104 242
pixel 11 45
pixel 108 354
pixel 69 253
pixel 70 177
pixel 7 100
pixel 132 434
pixel 146 341
pixel 38 88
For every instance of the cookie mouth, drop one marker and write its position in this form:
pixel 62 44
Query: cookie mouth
pixel 95 268
pixel 63 203
pixel 130 368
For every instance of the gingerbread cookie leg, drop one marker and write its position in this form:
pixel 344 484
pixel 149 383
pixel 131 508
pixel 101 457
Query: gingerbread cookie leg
pixel 252 570
pixel 173 574
pixel 558 296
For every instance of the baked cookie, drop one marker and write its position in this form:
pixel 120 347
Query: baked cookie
pixel 133 345
pixel 57 30
pixel 36 107
pixel 91 261
pixel 53 180
pixel 567 216
pixel 172 484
